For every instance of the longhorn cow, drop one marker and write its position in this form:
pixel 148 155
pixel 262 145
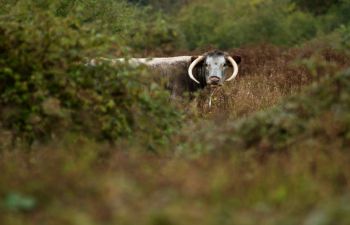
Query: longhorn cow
pixel 189 73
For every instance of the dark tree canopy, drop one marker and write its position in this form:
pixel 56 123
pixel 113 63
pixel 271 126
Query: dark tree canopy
pixel 317 7
pixel 166 5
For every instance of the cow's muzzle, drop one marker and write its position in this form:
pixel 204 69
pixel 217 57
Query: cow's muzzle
pixel 214 80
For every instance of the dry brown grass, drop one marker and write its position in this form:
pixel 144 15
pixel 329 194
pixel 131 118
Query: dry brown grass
pixel 268 74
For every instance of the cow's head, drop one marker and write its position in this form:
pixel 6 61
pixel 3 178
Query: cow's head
pixel 215 64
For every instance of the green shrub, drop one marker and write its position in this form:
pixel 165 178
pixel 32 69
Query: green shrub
pixel 136 27
pixel 344 32
pixel 131 25
pixel 230 23
pixel 47 92
pixel 316 6
pixel 169 6
pixel 338 15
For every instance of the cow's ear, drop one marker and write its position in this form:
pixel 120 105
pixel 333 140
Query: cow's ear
pixel 194 58
pixel 237 58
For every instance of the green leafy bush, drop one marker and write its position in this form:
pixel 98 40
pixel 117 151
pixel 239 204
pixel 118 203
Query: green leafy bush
pixel 229 23
pixel 316 6
pixel 344 32
pixel 337 16
pixel 136 27
pixel 130 25
pixel 46 91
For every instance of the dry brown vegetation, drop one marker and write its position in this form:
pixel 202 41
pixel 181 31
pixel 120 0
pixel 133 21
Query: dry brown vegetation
pixel 270 73
pixel 130 188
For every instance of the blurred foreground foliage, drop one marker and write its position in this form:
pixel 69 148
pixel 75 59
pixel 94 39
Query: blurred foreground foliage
pixel 76 184
pixel 47 92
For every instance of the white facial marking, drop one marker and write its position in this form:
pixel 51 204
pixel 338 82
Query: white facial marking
pixel 215 68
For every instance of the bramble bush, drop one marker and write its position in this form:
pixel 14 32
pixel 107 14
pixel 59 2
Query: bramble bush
pixel 47 92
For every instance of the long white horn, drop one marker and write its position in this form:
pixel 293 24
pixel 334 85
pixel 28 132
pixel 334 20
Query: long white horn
pixel 193 64
pixel 235 68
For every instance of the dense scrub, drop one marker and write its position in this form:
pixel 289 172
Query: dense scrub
pixel 105 145
pixel 47 91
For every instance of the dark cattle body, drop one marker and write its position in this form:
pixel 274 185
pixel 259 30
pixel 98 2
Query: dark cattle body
pixel 187 74
pixel 177 80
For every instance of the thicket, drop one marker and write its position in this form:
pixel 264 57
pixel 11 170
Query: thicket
pixel 46 91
